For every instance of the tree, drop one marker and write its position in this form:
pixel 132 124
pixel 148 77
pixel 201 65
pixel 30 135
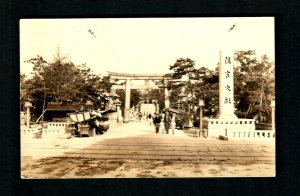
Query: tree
pixel 23 87
pixel 63 80
pixel 135 97
pixel 156 94
pixel 208 89
pixel 202 83
pixel 36 87
pixel 254 85
pixel 183 67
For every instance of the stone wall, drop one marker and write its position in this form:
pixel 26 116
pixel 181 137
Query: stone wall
pixel 217 127
pixel 57 125
pixel 236 129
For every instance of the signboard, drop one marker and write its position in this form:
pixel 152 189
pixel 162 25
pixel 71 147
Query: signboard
pixel 226 88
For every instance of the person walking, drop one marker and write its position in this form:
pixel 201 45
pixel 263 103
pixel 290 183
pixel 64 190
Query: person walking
pixel 156 122
pixel 150 118
pixel 167 122
pixel 140 117
pixel 162 126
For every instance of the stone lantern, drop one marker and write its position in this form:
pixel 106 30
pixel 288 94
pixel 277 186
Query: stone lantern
pixel 28 105
pixel 119 111
pixel 201 104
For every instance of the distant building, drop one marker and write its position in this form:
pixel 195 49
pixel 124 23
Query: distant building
pixel 58 111
pixel 147 106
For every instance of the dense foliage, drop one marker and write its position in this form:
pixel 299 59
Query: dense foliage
pixel 200 83
pixel 61 80
pixel 254 86
pixel 135 97
pixel 254 81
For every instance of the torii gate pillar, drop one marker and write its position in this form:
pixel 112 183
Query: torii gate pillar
pixel 166 93
pixel 127 101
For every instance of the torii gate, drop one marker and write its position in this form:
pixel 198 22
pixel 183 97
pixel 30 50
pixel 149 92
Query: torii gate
pixel 146 77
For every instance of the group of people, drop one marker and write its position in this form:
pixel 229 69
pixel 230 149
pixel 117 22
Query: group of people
pixel 162 121
pixel 165 122
pixel 143 117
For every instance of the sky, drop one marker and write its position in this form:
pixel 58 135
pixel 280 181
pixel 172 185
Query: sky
pixel 143 45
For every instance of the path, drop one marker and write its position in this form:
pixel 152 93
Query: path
pixel 134 150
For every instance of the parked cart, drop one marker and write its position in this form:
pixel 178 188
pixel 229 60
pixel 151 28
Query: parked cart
pixel 83 123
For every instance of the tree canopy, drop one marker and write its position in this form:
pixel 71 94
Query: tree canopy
pixel 135 97
pixel 201 83
pixel 61 79
pixel 254 85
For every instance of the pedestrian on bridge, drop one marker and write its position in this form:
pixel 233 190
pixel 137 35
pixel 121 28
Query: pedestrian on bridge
pixel 156 122
pixel 140 116
pixel 167 122
pixel 150 118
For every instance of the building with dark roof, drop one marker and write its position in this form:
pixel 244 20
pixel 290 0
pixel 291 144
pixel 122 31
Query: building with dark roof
pixel 58 111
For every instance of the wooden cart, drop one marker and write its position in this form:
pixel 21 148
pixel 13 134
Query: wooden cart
pixel 82 122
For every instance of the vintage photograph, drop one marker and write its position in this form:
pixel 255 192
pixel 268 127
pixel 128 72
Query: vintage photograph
pixel 190 97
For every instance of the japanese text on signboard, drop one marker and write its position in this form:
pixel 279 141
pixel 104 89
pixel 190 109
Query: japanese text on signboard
pixel 228 87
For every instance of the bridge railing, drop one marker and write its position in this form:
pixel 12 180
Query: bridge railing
pixel 57 125
pixel 256 134
pixel 238 128
pixel 46 132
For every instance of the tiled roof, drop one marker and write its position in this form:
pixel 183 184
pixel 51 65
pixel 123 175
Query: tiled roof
pixel 61 106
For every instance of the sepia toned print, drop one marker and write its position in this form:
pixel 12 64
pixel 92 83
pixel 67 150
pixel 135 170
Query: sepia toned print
pixel 147 98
